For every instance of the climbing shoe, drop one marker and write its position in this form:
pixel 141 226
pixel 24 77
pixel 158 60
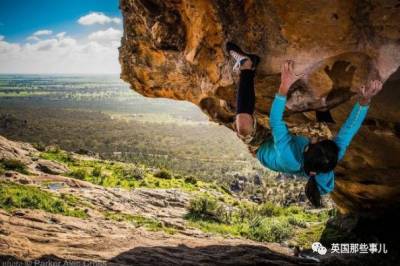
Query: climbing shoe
pixel 240 56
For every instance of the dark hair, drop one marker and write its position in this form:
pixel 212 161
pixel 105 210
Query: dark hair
pixel 321 157
pixel 312 192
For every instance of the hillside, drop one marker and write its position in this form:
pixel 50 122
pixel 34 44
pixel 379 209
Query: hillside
pixel 53 208
pixel 50 210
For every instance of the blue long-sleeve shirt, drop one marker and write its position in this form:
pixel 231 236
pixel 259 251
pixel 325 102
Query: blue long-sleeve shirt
pixel 284 152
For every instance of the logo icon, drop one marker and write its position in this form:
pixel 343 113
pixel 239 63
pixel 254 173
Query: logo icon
pixel 319 248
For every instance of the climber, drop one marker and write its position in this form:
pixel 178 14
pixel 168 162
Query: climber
pixel 282 151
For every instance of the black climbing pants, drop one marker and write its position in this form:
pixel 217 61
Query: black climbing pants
pixel 246 97
pixel 245 103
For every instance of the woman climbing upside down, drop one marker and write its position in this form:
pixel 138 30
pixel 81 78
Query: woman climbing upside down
pixel 284 152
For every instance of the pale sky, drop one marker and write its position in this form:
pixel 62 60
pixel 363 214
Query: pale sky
pixel 74 41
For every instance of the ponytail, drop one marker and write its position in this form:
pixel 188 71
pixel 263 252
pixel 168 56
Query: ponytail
pixel 312 192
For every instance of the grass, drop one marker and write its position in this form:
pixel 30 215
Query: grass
pixel 140 221
pixel 213 211
pixel 58 156
pixel 266 222
pixel 228 230
pixel 164 174
pixel 324 233
pixel 13 165
pixel 16 196
pixel 124 175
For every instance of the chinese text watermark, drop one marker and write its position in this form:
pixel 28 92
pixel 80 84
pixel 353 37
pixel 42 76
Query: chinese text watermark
pixel 351 248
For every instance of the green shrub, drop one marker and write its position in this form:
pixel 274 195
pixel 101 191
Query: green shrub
pixel 110 181
pixel 68 158
pixel 97 176
pixel 191 180
pixel 297 221
pixel 78 174
pixel 14 165
pixel 223 215
pixel 144 183
pixel 178 176
pixel 225 189
pixel 293 210
pixel 270 209
pixel 96 171
pixel 40 146
pixel 247 212
pixel 267 222
pixel 133 173
pixel 202 207
pixel 165 174
pixel 271 230
pixel 208 208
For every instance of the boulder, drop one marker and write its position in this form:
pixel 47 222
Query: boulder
pixel 50 167
pixel 237 186
pixel 256 198
pixel 175 49
pixel 257 180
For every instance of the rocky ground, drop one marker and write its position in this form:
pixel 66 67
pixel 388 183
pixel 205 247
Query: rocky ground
pixel 106 236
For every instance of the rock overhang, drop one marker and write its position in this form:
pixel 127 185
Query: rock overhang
pixel 175 49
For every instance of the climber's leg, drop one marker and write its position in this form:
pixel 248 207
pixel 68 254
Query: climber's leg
pixel 246 65
pixel 245 101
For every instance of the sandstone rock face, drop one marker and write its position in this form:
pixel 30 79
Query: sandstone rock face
pixel 175 49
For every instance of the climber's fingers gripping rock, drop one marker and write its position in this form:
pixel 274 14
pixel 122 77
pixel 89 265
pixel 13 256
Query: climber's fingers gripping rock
pixel 288 77
pixel 370 90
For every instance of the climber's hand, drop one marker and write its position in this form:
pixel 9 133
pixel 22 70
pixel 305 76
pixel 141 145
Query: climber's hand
pixel 288 77
pixel 367 92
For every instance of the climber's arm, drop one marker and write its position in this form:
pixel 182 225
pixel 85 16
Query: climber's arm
pixel 356 117
pixel 279 129
pixel 350 128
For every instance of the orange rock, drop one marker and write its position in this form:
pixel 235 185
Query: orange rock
pixel 175 49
